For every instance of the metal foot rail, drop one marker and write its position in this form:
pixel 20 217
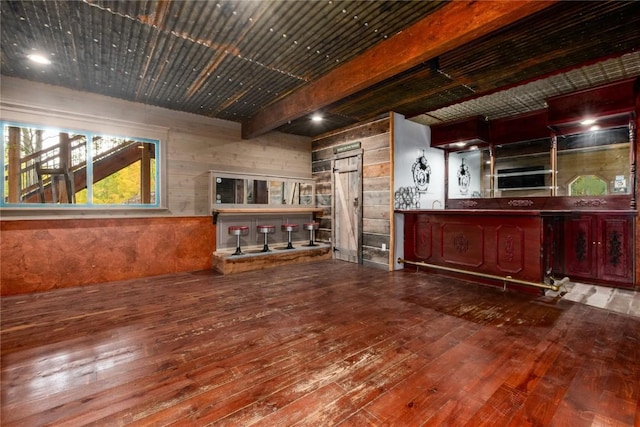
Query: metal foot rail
pixel 505 279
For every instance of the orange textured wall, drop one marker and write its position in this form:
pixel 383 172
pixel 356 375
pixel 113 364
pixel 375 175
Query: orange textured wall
pixel 39 255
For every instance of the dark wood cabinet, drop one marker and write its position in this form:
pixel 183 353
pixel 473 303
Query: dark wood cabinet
pixel 599 247
pixel 552 253
pixel 503 244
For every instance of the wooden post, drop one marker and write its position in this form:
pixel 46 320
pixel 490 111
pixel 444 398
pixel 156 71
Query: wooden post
pixel 446 180
pixel 633 172
pixel 492 170
pixel 554 164
pixel 14 165
pixel 145 173
pixel 65 163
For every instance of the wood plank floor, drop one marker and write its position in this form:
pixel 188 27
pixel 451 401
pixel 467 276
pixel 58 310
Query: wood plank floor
pixel 320 344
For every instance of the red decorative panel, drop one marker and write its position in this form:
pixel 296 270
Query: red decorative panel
pixel 580 246
pixel 510 248
pixel 524 127
pixel 615 245
pixel 600 248
pixel 497 242
pixel 423 239
pixel 463 244
pixel 602 101
pixel 474 129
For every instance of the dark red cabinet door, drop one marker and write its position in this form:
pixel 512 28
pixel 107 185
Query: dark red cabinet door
pixel 599 247
pixel 614 247
pixel 580 247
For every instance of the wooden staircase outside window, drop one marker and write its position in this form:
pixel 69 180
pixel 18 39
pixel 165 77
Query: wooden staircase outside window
pixel 56 173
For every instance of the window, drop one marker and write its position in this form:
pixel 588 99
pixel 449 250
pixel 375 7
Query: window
pixel 52 168
pixel 588 185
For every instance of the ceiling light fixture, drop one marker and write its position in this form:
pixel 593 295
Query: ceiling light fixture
pixel 587 122
pixel 40 59
pixel 316 118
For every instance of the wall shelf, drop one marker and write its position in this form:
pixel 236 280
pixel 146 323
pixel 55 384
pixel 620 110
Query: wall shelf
pixel 263 211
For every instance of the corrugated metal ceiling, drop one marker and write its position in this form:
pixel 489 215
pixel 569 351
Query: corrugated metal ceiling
pixel 229 59
pixel 531 96
pixel 218 58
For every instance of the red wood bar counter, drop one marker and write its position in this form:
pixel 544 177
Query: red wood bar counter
pixel 555 191
pixel 525 245
pixel 493 242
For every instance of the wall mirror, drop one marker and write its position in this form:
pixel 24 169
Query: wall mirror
pixel 523 169
pixel 48 167
pixel 238 190
pixel 594 163
pixel 466 172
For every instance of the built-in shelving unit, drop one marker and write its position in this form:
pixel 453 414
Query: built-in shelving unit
pixel 228 190
pixel 574 178
pixel 251 200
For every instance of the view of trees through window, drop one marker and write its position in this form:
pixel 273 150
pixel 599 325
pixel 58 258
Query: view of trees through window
pixel 51 167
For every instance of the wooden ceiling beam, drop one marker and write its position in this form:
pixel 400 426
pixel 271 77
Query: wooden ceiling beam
pixel 451 26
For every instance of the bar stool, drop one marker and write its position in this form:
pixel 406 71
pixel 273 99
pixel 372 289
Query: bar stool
pixel 312 227
pixel 266 230
pixel 238 230
pixel 289 228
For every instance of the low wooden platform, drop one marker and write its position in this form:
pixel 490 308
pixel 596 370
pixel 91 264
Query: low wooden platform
pixel 253 259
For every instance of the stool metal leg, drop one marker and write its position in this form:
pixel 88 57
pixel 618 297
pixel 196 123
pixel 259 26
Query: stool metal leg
pixel 238 251
pixel 266 246
pixel 289 245
pixel 311 237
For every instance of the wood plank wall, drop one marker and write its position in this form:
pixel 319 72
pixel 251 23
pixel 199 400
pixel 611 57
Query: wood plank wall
pixel 375 139
pixel 193 145
pixel 637 171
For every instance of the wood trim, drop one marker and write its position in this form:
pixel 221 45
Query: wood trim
pixel 264 210
pixel 556 203
pixel 604 101
pixel 392 186
pixel 474 130
pixel 523 127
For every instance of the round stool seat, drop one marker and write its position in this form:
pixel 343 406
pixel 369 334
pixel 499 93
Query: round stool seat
pixel 266 229
pixel 289 228
pixel 238 230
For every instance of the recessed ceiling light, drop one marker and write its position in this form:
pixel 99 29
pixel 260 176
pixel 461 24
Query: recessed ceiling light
pixel 316 118
pixel 39 59
pixel 587 122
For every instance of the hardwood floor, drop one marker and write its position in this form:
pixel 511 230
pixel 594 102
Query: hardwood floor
pixel 320 344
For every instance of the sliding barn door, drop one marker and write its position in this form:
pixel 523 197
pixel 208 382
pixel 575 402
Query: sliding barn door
pixel 347 208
